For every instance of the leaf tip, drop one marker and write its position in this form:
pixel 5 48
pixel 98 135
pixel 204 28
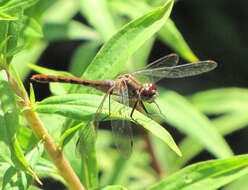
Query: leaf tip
pixel 178 151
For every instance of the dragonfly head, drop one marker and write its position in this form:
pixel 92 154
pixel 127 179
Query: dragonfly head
pixel 149 93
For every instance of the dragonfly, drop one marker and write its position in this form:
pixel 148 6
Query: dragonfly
pixel 132 92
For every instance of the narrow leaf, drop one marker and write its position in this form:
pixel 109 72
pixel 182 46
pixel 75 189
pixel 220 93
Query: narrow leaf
pixel 169 33
pixel 206 175
pixel 181 114
pixel 4 16
pixel 114 187
pixel 82 57
pixel 220 101
pixel 72 30
pixel 83 106
pixel 98 15
pixel 32 28
pixel 32 95
pixel 9 109
pixel 173 38
pixel 115 53
pixel 20 4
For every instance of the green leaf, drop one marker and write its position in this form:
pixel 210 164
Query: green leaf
pixel 4 16
pixel 72 30
pixel 32 28
pixel 239 184
pixel 3 44
pixel 98 15
pixel 10 110
pixel 225 124
pixel 27 56
pixel 4 142
pixel 56 11
pixel 116 52
pixel 32 96
pixel 11 31
pixel 169 33
pixel 68 134
pixel 140 57
pixel 11 123
pixel 17 78
pixel 15 51
pixel 87 151
pixel 206 175
pixel 82 57
pixel 83 106
pixel 87 170
pixel 17 4
pixel 46 71
pixel 26 138
pixel 114 187
pixel 89 173
pixel 220 101
pixel 86 142
pixel 20 160
pixel 35 154
pixel 181 114
pixel 15 180
pixel 9 178
pixel 173 38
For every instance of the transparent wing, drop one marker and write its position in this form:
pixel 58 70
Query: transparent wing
pixel 179 71
pixel 166 61
pixel 86 141
pixel 122 130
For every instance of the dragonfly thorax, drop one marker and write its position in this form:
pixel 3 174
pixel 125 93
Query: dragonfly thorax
pixel 149 92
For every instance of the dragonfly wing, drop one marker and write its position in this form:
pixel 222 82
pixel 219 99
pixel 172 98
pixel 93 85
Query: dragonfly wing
pixel 86 141
pixel 179 71
pixel 121 128
pixel 166 61
pixel 87 138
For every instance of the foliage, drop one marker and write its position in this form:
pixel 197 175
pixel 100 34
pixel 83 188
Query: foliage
pixel 127 30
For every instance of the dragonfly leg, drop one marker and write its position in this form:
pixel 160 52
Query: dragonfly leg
pixel 150 114
pixel 144 108
pixel 109 102
pixel 131 115
pixel 135 105
pixel 99 110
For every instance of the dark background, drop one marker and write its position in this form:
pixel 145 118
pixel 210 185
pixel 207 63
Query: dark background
pixel 214 30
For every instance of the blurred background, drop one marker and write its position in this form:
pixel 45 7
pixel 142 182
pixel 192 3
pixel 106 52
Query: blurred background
pixel 215 30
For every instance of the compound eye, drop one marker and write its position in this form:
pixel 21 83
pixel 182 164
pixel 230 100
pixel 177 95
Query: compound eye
pixel 146 91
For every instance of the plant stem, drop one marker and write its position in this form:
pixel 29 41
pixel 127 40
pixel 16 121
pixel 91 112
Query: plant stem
pixel 41 133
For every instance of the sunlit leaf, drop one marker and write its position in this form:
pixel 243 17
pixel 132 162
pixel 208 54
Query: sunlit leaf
pixel 114 187
pixel 82 57
pixel 4 16
pixel 83 106
pixel 181 114
pixel 221 100
pixel 169 33
pixel 115 53
pixel 98 15
pixel 72 30
pixel 206 175
pixel 14 4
